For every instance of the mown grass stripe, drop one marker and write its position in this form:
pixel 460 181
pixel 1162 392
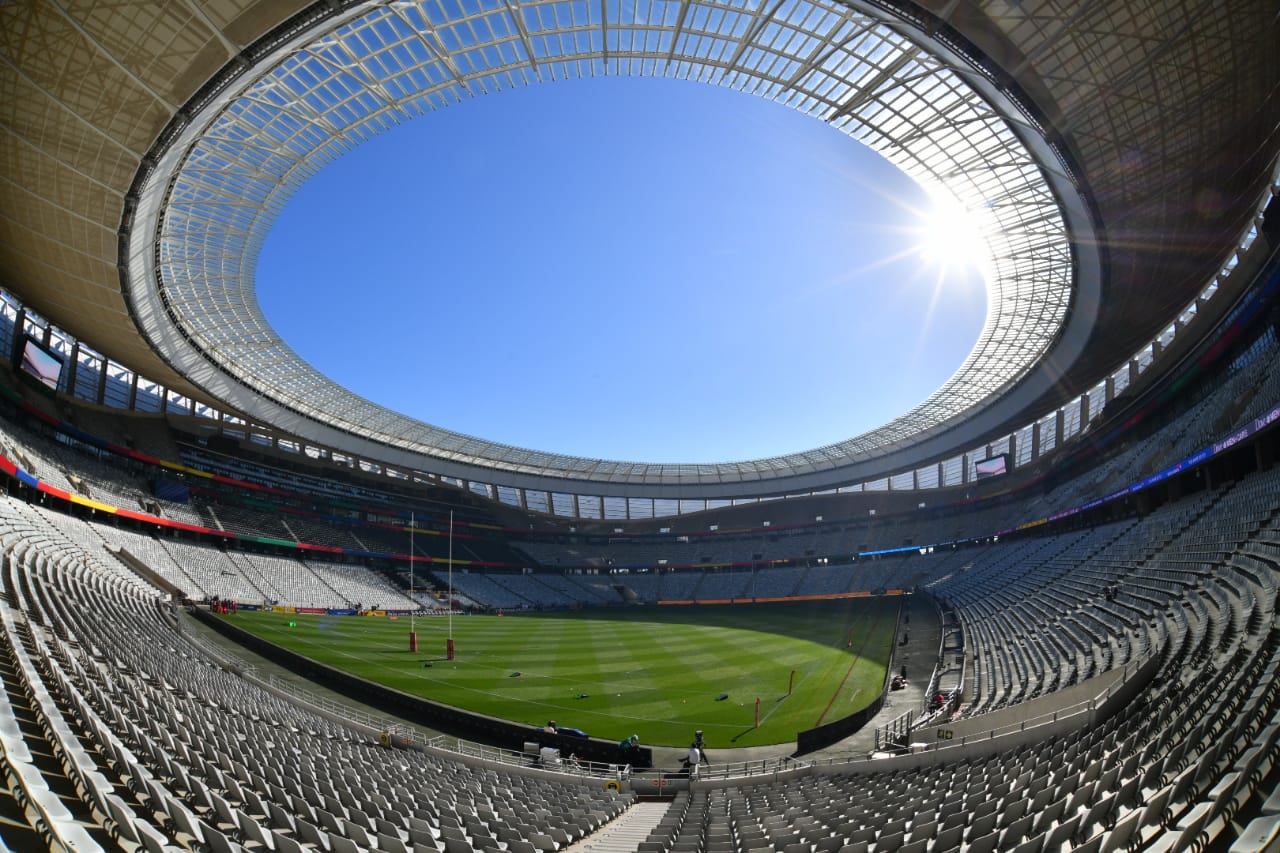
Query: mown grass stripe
pixel 656 672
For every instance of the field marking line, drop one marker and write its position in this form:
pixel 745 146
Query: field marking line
pixel 537 702
pixel 482 660
pixel 477 661
pixel 857 657
pixel 532 702
pixel 778 704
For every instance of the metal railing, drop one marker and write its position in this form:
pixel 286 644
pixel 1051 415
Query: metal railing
pixel 219 654
pixel 895 731
pixel 511 758
pixel 750 769
pixel 1081 712
pixel 350 713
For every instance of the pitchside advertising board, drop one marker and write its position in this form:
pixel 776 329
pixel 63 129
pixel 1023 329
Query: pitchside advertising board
pixel 327 611
pixel 315 611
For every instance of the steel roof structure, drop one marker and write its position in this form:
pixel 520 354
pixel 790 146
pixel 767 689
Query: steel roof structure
pixel 1109 152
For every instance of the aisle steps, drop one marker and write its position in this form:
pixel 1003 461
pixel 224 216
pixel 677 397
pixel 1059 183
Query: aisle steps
pixel 624 834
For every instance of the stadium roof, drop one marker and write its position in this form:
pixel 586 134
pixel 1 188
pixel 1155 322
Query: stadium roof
pixel 1111 151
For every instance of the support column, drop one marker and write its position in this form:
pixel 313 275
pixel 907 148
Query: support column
pixel 73 368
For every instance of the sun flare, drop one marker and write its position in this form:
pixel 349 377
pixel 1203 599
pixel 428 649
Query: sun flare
pixel 951 236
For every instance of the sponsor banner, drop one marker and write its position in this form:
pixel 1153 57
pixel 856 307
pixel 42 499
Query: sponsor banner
pixel 370 613
pixel 1243 433
pixel 341 611
pixel 248 606
pixel 91 504
pixel 136 516
pixel 326 548
pixel 777 598
pixel 44 487
pixel 904 549
pixel 267 540
pixel 1189 462
pixel 395 613
pixel 313 610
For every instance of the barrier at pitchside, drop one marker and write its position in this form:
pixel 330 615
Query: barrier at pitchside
pixel 822 736
pixel 818 737
pixel 456 721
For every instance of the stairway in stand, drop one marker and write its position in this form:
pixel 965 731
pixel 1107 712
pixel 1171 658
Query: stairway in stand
pixel 624 834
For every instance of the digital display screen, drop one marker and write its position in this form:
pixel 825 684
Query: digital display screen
pixel 42 364
pixel 991 467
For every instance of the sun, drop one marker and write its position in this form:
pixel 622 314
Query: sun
pixel 951 237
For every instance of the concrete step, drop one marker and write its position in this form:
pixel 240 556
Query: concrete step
pixel 624 833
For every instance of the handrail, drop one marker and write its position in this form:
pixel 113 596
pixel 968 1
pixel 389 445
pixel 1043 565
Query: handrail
pixel 1085 708
pixel 899 726
pixel 344 711
pixel 228 661
pixel 749 769
pixel 512 758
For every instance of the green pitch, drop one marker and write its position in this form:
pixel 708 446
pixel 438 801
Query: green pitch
pixel 657 672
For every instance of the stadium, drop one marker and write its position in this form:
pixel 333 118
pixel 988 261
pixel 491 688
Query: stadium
pixel 244 608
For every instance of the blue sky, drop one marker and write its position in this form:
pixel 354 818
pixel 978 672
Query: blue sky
pixel 636 269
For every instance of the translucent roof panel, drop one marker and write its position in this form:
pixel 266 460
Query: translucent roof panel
pixel 215 190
